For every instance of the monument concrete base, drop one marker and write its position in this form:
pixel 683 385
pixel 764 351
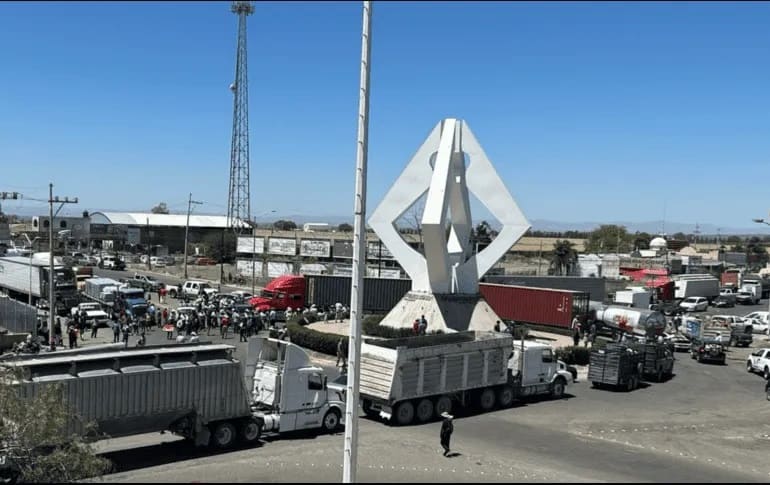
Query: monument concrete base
pixel 449 313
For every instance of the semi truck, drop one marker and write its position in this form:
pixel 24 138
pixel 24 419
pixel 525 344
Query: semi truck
pixel 540 306
pixel 418 378
pixel 634 297
pixel 105 290
pixel 21 277
pixel 754 287
pixel 631 320
pixel 197 391
pixel 703 285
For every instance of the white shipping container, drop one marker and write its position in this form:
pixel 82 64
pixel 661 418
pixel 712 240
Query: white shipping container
pixel 15 275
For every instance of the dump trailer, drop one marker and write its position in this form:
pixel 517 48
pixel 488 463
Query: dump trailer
pixel 101 290
pixel 616 365
pixel 421 377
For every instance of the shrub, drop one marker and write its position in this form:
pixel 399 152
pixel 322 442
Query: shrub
pixel 574 355
pixel 325 343
pixel 371 327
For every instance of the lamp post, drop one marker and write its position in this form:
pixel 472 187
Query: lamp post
pixel 32 253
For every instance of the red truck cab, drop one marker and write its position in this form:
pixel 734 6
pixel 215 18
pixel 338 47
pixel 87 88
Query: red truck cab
pixel 281 293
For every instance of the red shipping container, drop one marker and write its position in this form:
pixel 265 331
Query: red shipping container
pixel 730 278
pixel 541 306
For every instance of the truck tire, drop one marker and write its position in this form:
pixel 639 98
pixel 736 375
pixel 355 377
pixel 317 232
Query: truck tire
pixel 404 413
pixel 331 421
pixel 766 373
pixel 505 396
pixel 443 405
pixel 251 430
pixel 223 435
pixel 487 399
pixel 424 410
pixel 557 390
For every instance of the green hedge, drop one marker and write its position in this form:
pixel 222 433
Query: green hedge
pixel 574 355
pixel 325 343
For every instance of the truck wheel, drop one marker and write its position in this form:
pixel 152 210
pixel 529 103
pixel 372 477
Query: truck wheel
pixel 766 373
pixel 505 396
pixel 224 435
pixel 331 421
pixel 557 391
pixel 424 410
pixel 250 431
pixel 443 405
pixel 404 413
pixel 172 293
pixel 487 399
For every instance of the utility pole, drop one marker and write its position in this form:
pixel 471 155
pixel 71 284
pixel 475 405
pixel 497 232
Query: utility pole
pixel 149 264
pixel 540 257
pixel 51 275
pixel 190 202
pixel 350 453
pixel 254 257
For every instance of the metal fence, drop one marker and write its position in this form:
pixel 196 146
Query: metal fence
pixel 17 316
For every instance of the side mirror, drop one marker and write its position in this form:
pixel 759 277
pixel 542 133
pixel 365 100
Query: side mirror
pixel 326 378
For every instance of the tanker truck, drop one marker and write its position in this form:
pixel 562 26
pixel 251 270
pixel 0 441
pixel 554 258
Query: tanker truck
pixel 631 320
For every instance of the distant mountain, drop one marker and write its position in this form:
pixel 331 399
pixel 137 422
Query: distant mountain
pixel 652 227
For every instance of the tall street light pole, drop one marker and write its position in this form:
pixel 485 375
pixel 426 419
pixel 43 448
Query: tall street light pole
pixel 32 253
pixel 190 202
pixel 350 453
pixel 51 275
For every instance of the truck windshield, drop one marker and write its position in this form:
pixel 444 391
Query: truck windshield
pixel 267 294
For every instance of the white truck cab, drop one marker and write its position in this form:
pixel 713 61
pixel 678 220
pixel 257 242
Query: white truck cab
pixel 289 392
pixel 535 364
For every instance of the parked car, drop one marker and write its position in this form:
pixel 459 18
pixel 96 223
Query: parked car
pixel 759 361
pixel 158 261
pixel 694 304
pixel 724 301
pixel 759 320
pixel 744 298
pixel 726 320
pixel 112 262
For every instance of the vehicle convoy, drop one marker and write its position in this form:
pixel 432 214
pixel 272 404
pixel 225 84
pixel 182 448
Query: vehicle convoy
pixel 759 361
pixel 21 277
pixel 616 365
pixel 636 321
pixel 418 378
pixel 198 391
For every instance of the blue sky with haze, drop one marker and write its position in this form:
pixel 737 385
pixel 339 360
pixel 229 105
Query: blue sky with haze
pixel 589 111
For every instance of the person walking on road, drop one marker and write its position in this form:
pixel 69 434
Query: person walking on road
pixel 341 357
pixel 447 428
pixel 94 327
pixel 115 332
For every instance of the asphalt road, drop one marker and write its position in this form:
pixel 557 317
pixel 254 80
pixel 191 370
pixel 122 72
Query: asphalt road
pixel 163 278
pixel 706 424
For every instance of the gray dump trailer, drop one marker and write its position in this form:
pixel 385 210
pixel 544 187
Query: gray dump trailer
pixel 417 378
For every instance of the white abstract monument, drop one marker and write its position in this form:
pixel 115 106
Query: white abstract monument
pixel 448 165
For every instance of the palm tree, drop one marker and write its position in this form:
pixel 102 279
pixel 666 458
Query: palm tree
pixel 564 257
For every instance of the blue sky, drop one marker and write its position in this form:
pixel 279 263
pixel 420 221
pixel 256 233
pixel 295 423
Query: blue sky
pixel 589 111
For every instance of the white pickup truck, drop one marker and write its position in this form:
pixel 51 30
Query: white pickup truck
pixel 190 288
pixel 759 361
pixel 94 313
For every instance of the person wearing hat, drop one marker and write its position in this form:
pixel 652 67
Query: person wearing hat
pixel 446 431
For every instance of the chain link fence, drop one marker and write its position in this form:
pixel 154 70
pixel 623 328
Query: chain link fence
pixel 17 317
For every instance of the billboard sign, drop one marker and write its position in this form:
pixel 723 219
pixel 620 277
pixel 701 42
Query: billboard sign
pixel 377 250
pixel 132 235
pixel 286 247
pixel 250 245
pixel 343 249
pixel 315 248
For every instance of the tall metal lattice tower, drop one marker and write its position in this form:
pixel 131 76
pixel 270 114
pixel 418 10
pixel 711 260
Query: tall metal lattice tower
pixel 238 201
